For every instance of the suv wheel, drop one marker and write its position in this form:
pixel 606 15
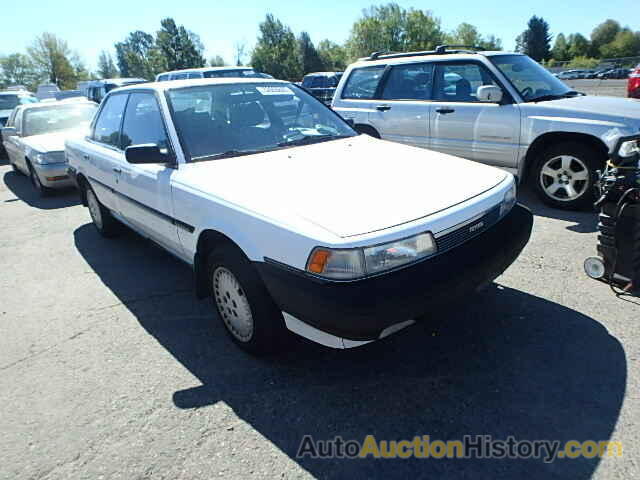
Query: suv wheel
pixel 249 315
pixel 564 176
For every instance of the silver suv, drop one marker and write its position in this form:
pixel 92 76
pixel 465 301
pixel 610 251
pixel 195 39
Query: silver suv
pixel 498 108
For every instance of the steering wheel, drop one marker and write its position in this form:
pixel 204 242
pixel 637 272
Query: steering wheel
pixel 526 92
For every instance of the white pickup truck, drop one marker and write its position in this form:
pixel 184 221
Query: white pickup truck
pixel 291 220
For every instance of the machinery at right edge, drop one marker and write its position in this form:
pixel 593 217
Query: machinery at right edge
pixel 618 260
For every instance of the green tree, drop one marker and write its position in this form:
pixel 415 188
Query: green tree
pixel 391 28
pixel 217 61
pixel 310 60
pixel 18 69
pixel 276 50
pixel 535 41
pixel 560 51
pixel 106 66
pixel 179 47
pixel 423 31
pixel 578 45
pixel 138 56
pixel 625 44
pixel 604 33
pixel 468 35
pixel 51 58
pixel 334 56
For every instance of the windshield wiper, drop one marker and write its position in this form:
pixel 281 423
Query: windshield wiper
pixel 546 98
pixel 309 139
pixel 229 154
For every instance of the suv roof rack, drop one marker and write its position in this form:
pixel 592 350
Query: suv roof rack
pixel 440 50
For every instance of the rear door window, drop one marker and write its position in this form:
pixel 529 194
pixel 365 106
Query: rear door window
pixel 107 127
pixel 409 82
pixel 363 83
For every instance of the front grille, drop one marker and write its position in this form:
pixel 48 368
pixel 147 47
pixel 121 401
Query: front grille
pixel 467 232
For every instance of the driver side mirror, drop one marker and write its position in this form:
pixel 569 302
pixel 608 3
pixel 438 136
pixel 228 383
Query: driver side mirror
pixel 146 153
pixel 489 94
pixel 8 132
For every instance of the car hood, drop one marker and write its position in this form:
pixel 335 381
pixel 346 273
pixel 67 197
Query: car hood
pixel 600 106
pixel 51 142
pixel 347 187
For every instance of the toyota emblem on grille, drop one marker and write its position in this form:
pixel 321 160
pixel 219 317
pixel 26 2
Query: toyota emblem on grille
pixel 476 227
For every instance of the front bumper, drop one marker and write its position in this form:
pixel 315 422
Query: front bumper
pixel 361 310
pixel 53 175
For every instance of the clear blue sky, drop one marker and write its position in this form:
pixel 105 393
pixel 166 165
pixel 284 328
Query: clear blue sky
pixel 88 28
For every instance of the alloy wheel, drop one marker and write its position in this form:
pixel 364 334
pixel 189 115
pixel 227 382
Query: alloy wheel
pixel 232 304
pixel 564 178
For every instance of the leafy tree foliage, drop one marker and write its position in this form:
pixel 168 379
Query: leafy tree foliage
pixel 394 29
pixel 106 66
pixel 310 60
pixel 18 69
pixel 138 56
pixel 217 61
pixel 179 47
pixel 276 50
pixel 51 57
pixel 468 35
pixel 333 56
pixel 578 45
pixel 625 44
pixel 560 50
pixel 535 41
pixel 603 34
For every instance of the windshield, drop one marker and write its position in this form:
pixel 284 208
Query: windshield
pixel 8 102
pixel 532 80
pixel 57 117
pixel 217 121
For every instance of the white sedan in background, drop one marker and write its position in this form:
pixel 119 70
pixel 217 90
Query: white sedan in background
pixel 34 140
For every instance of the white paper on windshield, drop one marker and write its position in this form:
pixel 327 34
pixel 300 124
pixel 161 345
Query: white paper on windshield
pixel 275 90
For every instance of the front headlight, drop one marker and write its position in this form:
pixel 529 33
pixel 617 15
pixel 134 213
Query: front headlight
pixel 352 263
pixel 509 200
pixel 50 157
pixel 629 148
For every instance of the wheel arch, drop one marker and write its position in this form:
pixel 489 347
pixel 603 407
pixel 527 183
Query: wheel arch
pixel 367 130
pixel 209 239
pixel 82 183
pixel 546 140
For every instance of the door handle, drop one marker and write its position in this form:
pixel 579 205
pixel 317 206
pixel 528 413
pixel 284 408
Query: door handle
pixel 383 108
pixel 117 170
pixel 444 111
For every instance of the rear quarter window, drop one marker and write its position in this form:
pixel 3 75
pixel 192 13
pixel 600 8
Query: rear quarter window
pixel 363 83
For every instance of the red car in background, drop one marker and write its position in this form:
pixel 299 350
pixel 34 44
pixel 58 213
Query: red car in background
pixel 633 88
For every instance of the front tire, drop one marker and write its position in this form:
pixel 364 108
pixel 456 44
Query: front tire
pixel 564 176
pixel 102 219
pixel 247 311
pixel 35 181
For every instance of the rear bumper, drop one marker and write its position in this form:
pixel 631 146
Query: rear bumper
pixel 54 175
pixel 361 310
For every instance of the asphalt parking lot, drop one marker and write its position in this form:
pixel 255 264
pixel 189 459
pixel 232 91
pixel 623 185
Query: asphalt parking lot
pixel 614 88
pixel 110 368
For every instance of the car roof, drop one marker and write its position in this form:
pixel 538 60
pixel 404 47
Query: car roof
pixel 196 82
pixel 206 69
pixel 410 57
pixel 30 106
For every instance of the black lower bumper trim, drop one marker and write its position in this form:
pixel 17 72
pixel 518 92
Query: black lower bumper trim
pixel 362 309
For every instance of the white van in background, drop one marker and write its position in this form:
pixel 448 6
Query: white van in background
pixel 47 90
pixel 211 72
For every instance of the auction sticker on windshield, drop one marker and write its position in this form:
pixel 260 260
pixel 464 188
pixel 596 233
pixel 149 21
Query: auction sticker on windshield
pixel 275 90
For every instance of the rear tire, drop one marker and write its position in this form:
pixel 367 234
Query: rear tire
pixel 101 216
pixel 565 174
pixel 247 312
